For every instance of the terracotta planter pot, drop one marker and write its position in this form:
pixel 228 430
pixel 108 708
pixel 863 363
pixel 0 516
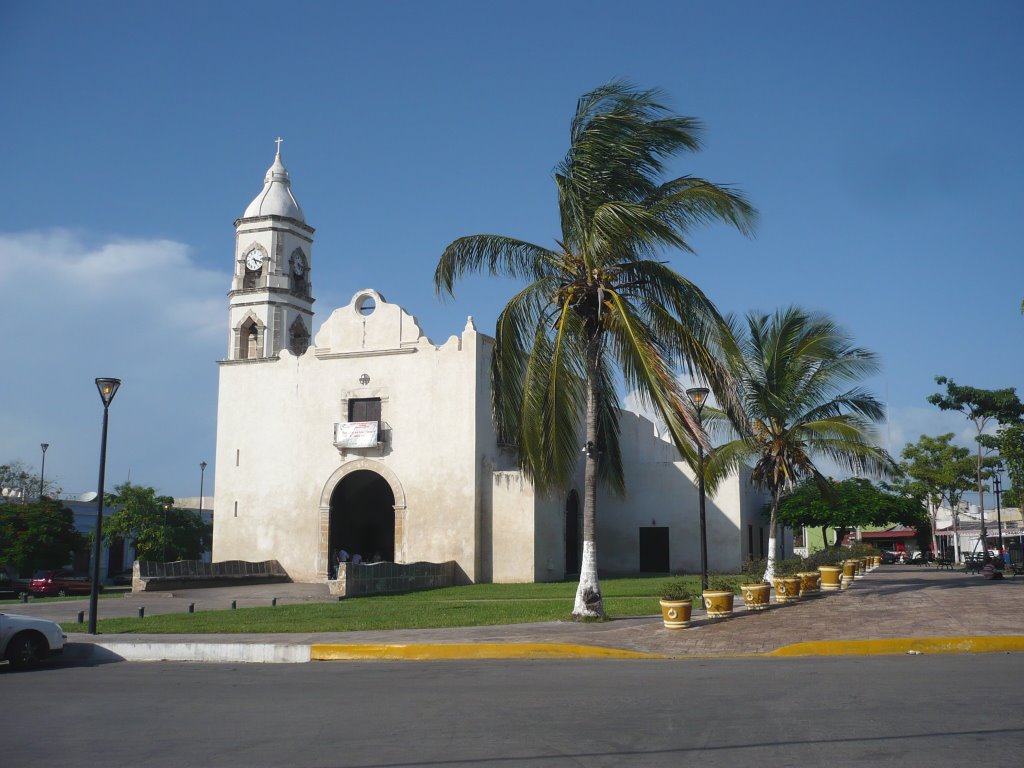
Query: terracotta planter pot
pixel 756 596
pixel 787 589
pixel 849 572
pixel 810 584
pixel 718 603
pixel 676 613
pixel 831 577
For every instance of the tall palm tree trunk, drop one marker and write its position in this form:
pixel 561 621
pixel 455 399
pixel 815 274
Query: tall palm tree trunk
pixel 588 594
pixel 773 524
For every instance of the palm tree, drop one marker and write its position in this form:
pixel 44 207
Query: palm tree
pixel 599 304
pixel 793 369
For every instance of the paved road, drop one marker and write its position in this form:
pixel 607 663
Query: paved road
pixel 905 711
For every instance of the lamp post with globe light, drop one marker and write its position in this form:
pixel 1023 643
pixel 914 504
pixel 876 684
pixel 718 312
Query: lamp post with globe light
pixel 107 388
pixel 42 470
pixel 698 396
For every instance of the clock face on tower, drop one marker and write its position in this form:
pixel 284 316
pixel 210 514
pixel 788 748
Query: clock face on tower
pixel 299 266
pixel 254 260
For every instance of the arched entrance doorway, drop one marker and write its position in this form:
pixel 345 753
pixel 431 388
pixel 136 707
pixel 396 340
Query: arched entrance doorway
pixel 362 517
pixel 573 545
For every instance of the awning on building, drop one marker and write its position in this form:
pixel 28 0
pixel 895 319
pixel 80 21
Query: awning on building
pixel 896 532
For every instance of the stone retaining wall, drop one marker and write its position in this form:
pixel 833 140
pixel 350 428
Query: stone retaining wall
pixel 389 578
pixel 191 574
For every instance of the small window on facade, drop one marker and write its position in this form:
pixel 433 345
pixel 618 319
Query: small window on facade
pixel 365 305
pixel 298 337
pixel 364 409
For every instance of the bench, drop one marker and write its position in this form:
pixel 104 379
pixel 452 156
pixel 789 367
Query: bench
pixel 944 563
pixel 973 563
pixel 1018 569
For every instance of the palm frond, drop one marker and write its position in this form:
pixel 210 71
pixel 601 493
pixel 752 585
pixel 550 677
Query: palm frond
pixel 646 369
pixel 495 254
pixel 689 201
pixel 516 326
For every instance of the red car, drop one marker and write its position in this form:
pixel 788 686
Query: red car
pixel 60 583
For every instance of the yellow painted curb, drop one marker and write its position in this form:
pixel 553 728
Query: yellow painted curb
pixel 981 644
pixel 357 652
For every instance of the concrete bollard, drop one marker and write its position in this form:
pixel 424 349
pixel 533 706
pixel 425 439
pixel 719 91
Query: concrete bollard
pixel 142 611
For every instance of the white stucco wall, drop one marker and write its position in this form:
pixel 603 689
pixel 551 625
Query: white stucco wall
pixel 276 454
pixel 661 490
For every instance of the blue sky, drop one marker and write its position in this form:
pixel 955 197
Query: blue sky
pixel 880 141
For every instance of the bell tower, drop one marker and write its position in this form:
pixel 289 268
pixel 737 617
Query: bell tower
pixel 270 306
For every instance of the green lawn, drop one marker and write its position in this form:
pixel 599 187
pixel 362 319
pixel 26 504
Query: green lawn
pixel 469 606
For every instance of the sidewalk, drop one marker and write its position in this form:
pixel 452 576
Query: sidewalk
pixel 894 609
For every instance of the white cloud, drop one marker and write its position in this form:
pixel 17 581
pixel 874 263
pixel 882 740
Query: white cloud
pixel 76 307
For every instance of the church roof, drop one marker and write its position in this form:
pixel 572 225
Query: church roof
pixel 276 199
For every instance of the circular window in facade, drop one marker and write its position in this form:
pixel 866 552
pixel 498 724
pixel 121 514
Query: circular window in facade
pixel 365 305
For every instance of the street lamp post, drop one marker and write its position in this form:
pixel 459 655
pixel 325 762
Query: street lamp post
pixel 697 396
pixel 202 476
pixel 42 471
pixel 166 506
pixel 107 388
pixel 998 483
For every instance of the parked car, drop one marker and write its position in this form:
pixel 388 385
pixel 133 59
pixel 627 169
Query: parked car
pixel 61 583
pixel 25 640
pixel 10 584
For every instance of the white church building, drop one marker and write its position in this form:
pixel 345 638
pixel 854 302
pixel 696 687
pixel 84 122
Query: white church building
pixel 375 439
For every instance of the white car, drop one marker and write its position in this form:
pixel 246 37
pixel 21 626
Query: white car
pixel 25 640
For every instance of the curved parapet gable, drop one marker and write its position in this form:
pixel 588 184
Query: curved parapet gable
pixel 368 324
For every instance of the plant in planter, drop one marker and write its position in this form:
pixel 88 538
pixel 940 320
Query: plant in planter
pixel 786 581
pixel 755 590
pixel 676 604
pixel 718 597
pixel 810 579
pixel 829 565
pixel 828 556
pixel 849 572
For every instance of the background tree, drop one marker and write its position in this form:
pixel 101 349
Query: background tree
pixel 600 306
pixel 939 471
pixel 158 534
pixel 19 483
pixel 38 535
pixel 792 369
pixel 980 406
pixel 848 504
pixel 1011 450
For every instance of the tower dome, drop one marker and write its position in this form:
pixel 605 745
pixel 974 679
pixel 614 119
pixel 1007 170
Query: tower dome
pixel 276 199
